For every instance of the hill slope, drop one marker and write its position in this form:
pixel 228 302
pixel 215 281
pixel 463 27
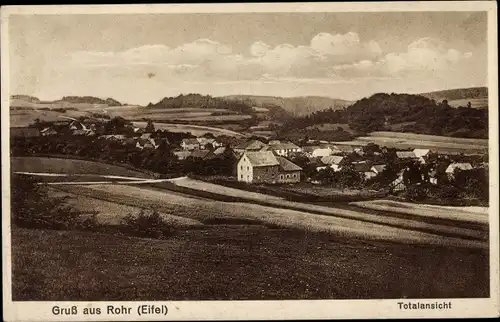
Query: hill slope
pixel 458 94
pixel 401 112
pixel 296 106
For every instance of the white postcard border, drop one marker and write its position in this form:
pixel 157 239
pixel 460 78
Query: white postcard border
pixel 252 310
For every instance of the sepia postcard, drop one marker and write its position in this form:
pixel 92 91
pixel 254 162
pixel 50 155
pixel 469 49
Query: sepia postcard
pixel 248 161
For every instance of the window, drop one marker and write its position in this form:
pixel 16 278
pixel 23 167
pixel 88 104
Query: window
pixel 241 176
pixel 287 176
pixel 281 176
pixel 241 167
pixel 295 175
pixel 248 168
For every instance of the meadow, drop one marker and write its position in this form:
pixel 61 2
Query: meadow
pixel 440 144
pixel 197 130
pixel 453 213
pixel 236 262
pixel 69 166
pixel 257 248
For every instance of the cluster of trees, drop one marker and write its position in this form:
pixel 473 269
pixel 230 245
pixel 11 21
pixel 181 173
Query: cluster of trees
pixel 382 111
pixel 161 160
pixel 32 207
pixel 202 101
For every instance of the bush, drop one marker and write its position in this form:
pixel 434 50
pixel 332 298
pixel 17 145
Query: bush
pixel 31 207
pixel 146 224
pixel 449 192
pixel 415 193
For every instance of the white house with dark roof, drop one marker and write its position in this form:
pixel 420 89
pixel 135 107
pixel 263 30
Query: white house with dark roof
pixel 265 166
pixel 463 166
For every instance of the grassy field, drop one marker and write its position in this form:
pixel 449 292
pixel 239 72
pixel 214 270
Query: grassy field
pixel 440 144
pixel 475 102
pixel 196 130
pixel 455 213
pixel 429 138
pixel 23 118
pixel 69 166
pixel 235 262
pixel 112 213
pixel 337 222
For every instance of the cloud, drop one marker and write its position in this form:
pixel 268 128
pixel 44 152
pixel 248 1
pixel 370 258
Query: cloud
pixel 204 58
pixel 328 57
pixel 423 57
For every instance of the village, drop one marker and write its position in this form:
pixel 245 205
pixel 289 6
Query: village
pixel 256 160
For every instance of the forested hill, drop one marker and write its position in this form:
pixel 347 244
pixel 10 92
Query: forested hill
pixel 401 112
pixel 90 100
pixel 296 106
pixel 458 94
pixel 210 102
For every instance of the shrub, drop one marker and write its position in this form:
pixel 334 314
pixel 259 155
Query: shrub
pixel 415 193
pixel 32 207
pixel 146 224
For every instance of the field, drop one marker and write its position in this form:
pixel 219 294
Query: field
pixel 475 102
pixel 69 166
pixel 196 130
pixel 453 213
pixel 25 117
pixel 251 248
pixel 237 262
pixel 330 127
pixel 441 144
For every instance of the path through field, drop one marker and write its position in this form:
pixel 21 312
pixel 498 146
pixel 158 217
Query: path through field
pixel 269 209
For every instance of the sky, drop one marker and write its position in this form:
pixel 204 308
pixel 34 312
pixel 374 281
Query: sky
pixel 141 58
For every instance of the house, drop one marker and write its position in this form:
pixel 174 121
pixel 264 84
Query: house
pixel 398 183
pixel 363 168
pixel 283 148
pixel 359 151
pixel 202 154
pixel 48 131
pixel 183 154
pixel 265 166
pixel 333 161
pixel 422 155
pixel 321 152
pixel 378 168
pixel 25 132
pixel 220 150
pixel 79 132
pixel 146 144
pixel 346 149
pixel 405 155
pixel 203 141
pixel 289 171
pixel 75 125
pixel 457 166
pixel 252 145
pixel 190 144
pixel 433 177
pixel 308 149
pixel 421 152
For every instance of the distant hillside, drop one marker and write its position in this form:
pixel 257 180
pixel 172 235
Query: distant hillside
pixel 26 98
pixel 400 112
pixel 89 100
pixel 296 106
pixel 458 94
pixel 210 102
